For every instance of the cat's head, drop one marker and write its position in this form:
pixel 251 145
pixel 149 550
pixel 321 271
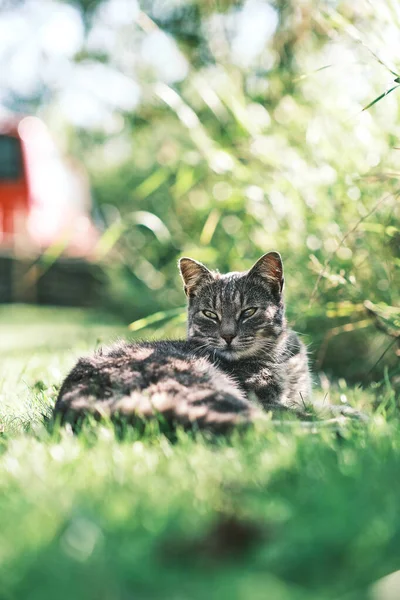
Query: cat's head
pixel 236 315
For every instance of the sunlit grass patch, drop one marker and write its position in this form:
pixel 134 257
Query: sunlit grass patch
pixel 279 511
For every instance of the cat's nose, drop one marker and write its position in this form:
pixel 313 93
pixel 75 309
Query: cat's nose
pixel 228 337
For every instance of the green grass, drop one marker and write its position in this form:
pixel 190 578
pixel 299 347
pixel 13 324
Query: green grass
pixel 278 513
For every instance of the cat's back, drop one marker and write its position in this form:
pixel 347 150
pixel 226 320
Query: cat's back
pixel 147 379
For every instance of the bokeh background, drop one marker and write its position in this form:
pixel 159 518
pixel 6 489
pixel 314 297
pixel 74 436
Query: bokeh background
pixel 218 130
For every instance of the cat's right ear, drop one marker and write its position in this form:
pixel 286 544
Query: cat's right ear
pixel 193 273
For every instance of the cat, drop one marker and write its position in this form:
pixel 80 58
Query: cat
pixel 239 355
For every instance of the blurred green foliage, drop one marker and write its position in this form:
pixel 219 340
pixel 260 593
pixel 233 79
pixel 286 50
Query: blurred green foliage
pixel 255 148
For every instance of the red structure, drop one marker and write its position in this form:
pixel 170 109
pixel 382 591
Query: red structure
pixel 44 198
pixel 14 192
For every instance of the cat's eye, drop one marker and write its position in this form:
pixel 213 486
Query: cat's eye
pixel 210 314
pixel 249 312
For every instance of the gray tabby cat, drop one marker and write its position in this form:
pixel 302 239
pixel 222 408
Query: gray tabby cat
pixel 238 349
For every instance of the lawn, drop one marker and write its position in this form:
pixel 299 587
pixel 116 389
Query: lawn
pixel 282 512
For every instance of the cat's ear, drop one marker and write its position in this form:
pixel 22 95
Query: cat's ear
pixel 193 273
pixel 269 267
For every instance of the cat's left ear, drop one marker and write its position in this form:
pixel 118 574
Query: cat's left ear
pixel 193 274
pixel 269 267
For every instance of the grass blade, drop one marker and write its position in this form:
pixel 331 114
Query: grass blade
pixel 380 97
pixel 311 73
pixel 155 318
